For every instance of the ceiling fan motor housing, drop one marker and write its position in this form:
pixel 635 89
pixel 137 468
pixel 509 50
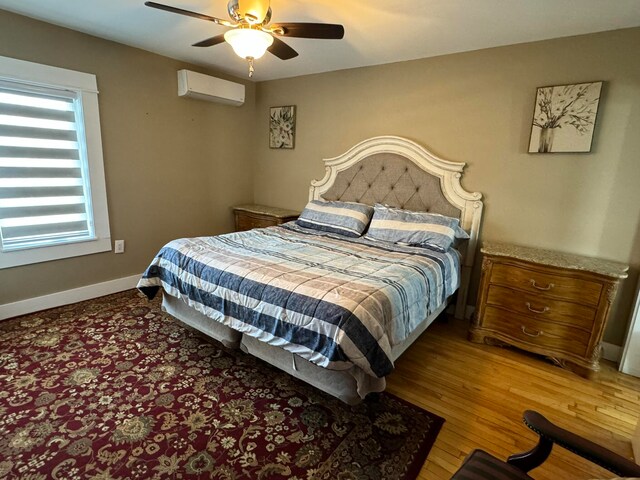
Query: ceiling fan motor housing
pixel 250 11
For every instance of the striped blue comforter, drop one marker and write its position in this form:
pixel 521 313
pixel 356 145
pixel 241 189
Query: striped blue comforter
pixel 334 301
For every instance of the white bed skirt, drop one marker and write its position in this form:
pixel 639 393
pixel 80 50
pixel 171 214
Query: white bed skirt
pixel 351 386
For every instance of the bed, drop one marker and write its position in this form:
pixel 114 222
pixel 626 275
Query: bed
pixel 335 312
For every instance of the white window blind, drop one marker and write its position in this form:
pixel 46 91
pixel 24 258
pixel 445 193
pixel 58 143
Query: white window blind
pixel 53 199
pixel 44 192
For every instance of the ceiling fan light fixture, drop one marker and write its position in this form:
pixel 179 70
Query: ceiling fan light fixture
pixel 251 36
pixel 248 42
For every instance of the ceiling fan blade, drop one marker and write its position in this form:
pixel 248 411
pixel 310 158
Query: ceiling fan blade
pixel 282 50
pixel 189 13
pixel 309 30
pixel 210 42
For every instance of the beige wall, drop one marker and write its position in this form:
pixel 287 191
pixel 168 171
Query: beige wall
pixel 173 166
pixel 477 107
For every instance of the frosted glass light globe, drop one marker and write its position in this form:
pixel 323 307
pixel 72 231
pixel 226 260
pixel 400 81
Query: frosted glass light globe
pixel 248 42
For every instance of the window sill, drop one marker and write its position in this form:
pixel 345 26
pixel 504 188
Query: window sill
pixel 45 254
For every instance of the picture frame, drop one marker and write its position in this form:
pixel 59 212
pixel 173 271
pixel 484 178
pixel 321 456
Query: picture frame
pixel 564 118
pixel 282 127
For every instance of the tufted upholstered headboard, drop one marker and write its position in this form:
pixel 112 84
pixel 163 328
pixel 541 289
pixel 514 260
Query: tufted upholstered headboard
pixel 393 180
pixel 398 172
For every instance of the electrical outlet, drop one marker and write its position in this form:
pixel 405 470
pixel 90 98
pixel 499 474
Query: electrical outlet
pixel 119 246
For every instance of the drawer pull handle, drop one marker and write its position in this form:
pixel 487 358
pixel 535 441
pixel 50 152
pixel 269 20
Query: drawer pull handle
pixel 533 284
pixel 544 310
pixel 524 330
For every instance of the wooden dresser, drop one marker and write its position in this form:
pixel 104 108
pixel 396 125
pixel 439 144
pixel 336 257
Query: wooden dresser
pixel 259 216
pixel 550 303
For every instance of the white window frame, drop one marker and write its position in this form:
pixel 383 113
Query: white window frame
pixel 85 84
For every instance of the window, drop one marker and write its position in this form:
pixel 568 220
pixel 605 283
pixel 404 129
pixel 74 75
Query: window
pixel 52 193
pixel 44 199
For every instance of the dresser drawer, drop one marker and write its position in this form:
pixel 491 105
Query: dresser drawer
pixel 550 336
pixel 252 216
pixel 246 222
pixel 542 307
pixel 540 282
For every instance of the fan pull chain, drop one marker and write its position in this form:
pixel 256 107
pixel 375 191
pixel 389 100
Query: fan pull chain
pixel 251 69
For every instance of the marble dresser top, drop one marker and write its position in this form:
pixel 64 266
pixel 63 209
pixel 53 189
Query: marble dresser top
pixel 556 259
pixel 265 210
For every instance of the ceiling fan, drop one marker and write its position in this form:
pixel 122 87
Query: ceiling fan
pixel 251 35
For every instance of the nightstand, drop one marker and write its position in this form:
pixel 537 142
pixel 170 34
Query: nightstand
pixel 259 216
pixel 550 303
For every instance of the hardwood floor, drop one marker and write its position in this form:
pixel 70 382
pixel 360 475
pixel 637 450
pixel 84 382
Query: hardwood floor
pixel 482 391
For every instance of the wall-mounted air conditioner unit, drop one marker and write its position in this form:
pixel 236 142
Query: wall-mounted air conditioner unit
pixel 212 89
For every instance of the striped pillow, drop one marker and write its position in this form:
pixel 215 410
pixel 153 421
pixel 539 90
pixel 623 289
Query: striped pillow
pixel 346 218
pixel 414 228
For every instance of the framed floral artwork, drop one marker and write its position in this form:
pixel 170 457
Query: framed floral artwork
pixel 564 118
pixel 282 127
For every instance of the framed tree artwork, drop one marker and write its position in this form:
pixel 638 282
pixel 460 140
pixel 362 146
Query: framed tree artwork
pixel 282 126
pixel 564 118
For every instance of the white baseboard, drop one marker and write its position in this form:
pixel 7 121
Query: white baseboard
pixel 66 297
pixel 468 312
pixel 611 352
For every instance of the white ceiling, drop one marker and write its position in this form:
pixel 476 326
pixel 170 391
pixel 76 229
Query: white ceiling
pixel 376 32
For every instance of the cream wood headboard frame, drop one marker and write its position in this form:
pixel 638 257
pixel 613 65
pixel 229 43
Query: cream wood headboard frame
pixel 449 173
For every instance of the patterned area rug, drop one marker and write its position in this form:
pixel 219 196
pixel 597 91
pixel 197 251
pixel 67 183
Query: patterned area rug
pixel 115 389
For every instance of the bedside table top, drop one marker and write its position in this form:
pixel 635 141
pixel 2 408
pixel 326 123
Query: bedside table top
pixel 556 259
pixel 266 210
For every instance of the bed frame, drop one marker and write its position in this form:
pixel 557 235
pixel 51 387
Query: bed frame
pixel 394 171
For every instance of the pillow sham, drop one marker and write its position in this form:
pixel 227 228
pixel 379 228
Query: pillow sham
pixel 414 228
pixel 345 218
